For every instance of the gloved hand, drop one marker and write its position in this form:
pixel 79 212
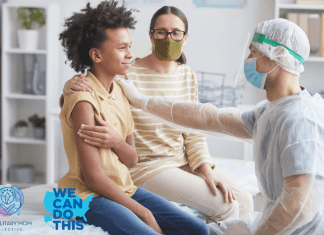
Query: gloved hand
pixel 237 229
pixel 133 95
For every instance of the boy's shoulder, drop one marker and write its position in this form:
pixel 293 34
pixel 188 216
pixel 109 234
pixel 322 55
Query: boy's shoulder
pixel 119 91
pixel 78 96
pixel 72 99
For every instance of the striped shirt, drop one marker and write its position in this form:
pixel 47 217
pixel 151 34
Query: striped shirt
pixel 160 147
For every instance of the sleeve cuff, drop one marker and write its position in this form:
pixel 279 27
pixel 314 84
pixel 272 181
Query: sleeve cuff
pixel 73 99
pixel 209 162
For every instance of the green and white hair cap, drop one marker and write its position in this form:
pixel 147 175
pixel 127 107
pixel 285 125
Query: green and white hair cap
pixel 284 42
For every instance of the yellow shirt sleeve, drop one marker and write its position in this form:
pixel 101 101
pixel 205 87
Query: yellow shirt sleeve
pixel 71 100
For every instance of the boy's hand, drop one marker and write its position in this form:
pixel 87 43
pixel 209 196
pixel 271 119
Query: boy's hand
pixel 103 136
pixel 77 83
pixel 150 221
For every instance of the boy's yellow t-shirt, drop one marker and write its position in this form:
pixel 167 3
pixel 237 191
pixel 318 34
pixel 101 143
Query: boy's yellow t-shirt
pixel 114 107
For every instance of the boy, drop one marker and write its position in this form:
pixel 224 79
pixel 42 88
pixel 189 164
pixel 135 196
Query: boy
pixel 98 39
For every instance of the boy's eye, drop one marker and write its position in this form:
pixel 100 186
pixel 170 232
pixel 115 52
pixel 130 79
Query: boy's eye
pixel 122 48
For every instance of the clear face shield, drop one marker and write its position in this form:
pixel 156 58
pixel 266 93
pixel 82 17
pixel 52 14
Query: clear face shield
pixel 239 78
pixel 247 67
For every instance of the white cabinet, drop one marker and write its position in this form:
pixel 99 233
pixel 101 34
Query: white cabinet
pixel 16 105
pixel 313 77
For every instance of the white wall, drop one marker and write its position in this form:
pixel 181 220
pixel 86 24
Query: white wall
pixel 216 38
pixel 216 35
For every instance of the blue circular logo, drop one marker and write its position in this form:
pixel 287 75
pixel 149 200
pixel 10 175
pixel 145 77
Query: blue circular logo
pixel 11 200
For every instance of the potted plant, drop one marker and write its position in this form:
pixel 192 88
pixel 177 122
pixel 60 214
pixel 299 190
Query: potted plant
pixel 31 18
pixel 38 126
pixel 20 129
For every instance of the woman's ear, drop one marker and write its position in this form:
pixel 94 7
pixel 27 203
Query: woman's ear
pixel 185 39
pixel 151 36
pixel 152 39
pixel 95 56
pixel 187 36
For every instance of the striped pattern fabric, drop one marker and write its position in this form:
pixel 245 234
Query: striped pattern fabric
pixel 160 147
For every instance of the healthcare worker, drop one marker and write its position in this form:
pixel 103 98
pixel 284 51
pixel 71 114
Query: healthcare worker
pixel 287 130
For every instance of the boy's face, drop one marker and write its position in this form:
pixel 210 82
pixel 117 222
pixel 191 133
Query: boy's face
pixel 115 53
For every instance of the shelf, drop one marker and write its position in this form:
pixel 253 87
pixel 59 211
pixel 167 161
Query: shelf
pixel 301 7
pixel 19 106
pixel 39 179
pixel 55 111
pixel 24 3
pixel 16 140
pixel 25 97
pixel 21 51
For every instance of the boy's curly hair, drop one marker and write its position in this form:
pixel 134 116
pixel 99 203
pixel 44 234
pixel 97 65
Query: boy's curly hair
pixel 86 30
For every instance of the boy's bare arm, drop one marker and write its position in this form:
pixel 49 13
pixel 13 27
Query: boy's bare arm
pixel 126 151
pixel 90 163
pixel 104 136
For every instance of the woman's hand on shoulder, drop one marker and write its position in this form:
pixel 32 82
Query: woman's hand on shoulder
pixel 77 83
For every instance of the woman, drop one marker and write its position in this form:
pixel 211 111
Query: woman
pixel 173 164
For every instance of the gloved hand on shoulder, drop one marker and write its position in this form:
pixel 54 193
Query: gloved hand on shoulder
pixel 133 95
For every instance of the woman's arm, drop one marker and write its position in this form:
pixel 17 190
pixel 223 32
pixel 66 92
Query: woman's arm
pixel 83 113
pixel 77 83
pixel 104 136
